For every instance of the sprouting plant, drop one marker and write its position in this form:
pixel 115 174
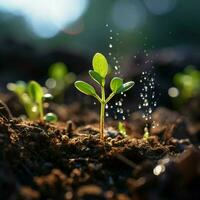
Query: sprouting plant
pixel 187 84
pixel 35 93
pixel 31 96
pixel 20 89
pixel 59 79
pixel 122 129
pixel 98 74
pixel 146 133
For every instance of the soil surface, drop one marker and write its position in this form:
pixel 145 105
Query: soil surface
pixel 39 160
pixel 68 161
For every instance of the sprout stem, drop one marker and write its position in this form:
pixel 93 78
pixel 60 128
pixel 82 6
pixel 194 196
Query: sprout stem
pixel 41 112
pixel 102 114
pixel 110 97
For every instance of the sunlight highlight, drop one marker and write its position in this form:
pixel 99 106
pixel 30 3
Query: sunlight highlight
pixel 46 17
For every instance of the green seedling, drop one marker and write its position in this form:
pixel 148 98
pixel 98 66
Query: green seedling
pixel 20 89
pixel 32 97
pixel 146 133
pixel 35 93
pixel 59 80
pixel 122 129
pixel 98 74
pixel 187 83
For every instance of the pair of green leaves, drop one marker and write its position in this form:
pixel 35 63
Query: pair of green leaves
pixel 98 74
pixel 37 95
pixel 31 96
pixel 117 86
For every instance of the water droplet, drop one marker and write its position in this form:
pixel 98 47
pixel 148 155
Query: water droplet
pixel 158 170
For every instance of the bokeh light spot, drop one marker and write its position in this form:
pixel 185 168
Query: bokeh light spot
pixel 46 17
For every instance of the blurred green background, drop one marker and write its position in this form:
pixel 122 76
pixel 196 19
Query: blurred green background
pixel 80 25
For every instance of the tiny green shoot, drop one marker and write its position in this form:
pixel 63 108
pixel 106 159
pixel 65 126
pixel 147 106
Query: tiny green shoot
pixel 32 97
pixel 35 92
pixel 98 74
pixel 146 133
pixel 59 80
pixel 122 129
pixel 20 89
pixel 187 84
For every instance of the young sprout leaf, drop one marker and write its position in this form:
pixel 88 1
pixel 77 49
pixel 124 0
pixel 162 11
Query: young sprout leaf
pixel 85 88
pixel 115 84
pixel 35 91
pixel 58 71
pixel 122 129
pixel 50 117
pixel 125 87
pixel 146 133
pixel 96 77
pixel 100 64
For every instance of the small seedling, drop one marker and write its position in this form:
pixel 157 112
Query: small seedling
pixel 187 84
pixel 122 129
pixel 59 80
pixel 35 92
pixel 98 74
pixel 32 97
pixel 146 133
pixel 20 89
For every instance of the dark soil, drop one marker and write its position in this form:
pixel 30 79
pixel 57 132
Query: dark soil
pixel 61 161
pixel 67 160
